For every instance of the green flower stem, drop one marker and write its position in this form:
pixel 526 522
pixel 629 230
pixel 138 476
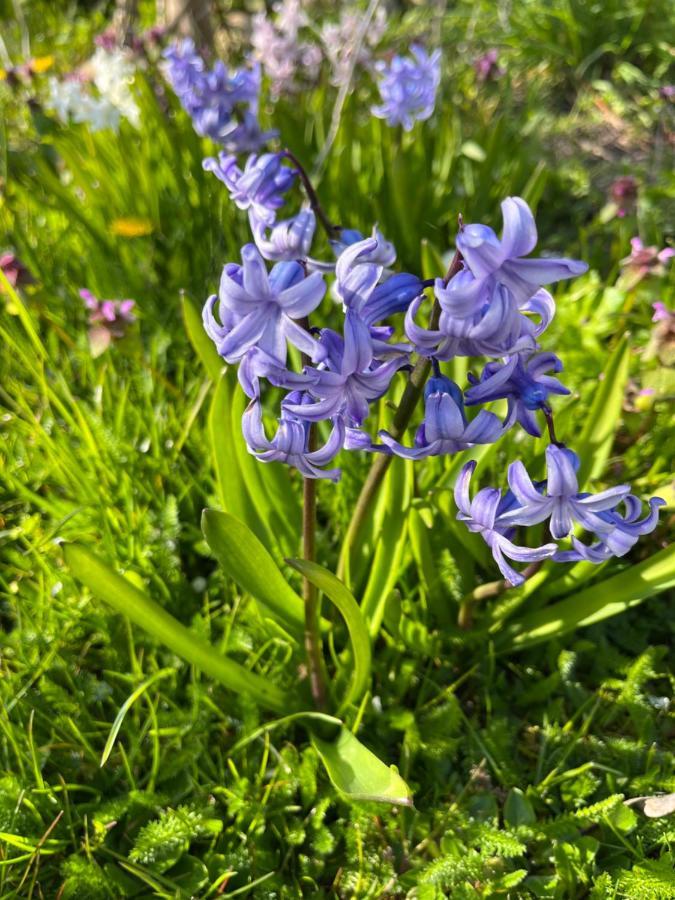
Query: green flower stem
pixel 332 231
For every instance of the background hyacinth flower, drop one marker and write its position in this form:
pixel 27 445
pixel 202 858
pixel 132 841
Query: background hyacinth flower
pixel 260 310
pixel 71 101
pixel 625 533
pixel 350 377
pixel 445 428
pixel 408 86
pixel 523 383
pixel 290 444
pixel 287 240
pixel 562 503
pixel 222 105
pixel 503 260
pixel 483 514
pixel 624 193
pixel 286 59
pixel 344 45
pixel 113 74
pixel 259 187
pixel 108 320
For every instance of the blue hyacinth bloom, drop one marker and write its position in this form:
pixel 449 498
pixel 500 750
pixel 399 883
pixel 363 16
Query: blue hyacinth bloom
pixel 350 378
pixel 523 382
pixel 483 515
pixel 222 105
pixel 284 241
pixel 408 86
pixel 260 187
pixel 260 310
pixel 445 428
pixel 562 502
pixel 290 444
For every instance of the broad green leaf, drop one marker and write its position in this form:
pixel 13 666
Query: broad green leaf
pixel 391 542
pixel 232 491
pixel 335 590
pixel 246 561
pixel 598 602
pixel 201 342
pixel 597 436
pixel 518 809
pixel 360 775
pixel 268 486
pixel 127 599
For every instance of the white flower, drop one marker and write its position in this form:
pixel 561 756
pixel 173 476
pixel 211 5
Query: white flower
pixel 113 75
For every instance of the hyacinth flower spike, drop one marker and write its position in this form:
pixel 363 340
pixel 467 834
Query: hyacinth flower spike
pixel 408 87
pixel 523 383
pixel 290 444
pixel 562 503
pixel 352 378
pixel 445 428
pixel 482 515
pixel 260 310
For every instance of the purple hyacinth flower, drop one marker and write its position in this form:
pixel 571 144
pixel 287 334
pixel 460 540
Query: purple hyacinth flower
pixel 290 445
pixel 360 287
pixel 478 319
pixel 523 383
pixel 445 428
pixel 284 241
pixel 487 256
pixel 260 310
pixel 351 377
pixel 626 530
pixel 408 87
pixel 562 503
pixel 260 187
pixel 380 252
pixel 482 515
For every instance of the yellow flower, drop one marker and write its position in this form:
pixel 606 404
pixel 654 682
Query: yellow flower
pixel 41 63
pixel 131 227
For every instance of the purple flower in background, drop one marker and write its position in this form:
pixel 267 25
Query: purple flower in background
pixel 667 92
pixel 647 260
pixel 482 515
pixel 290 444
pixel 287 240
pixel 260 187
pixel 562 503
pixel 350 378
pixel 523 383
pixel 487 66
pixel 214 98
pixel 445 428
pixel 260 310
pixel 625 532
pixel 108 320
pixel 661 312
pixel 408 87
pixel 623 192
pixel 14 270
